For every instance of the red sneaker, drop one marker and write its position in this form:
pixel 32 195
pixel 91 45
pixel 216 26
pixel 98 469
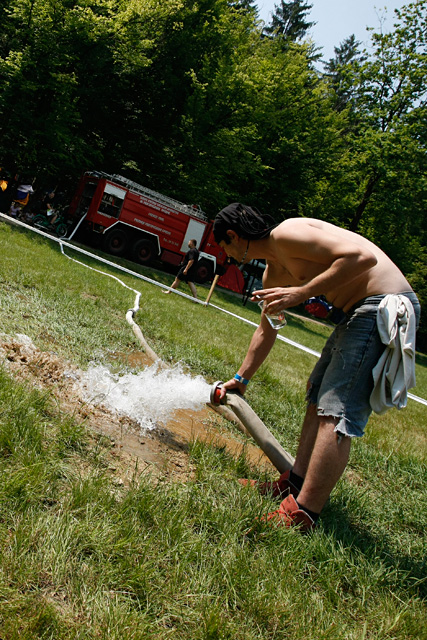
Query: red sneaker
pixel 289 514
pixel 278 489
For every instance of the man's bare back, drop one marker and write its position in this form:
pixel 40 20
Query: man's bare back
pixel 319 258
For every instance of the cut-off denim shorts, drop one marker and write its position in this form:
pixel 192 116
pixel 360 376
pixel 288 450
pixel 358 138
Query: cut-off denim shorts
pixel 341 382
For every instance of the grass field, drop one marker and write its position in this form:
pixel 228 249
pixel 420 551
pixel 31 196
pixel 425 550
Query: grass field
pixel 83 558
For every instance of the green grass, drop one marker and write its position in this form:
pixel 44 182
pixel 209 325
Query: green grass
pixel 83 558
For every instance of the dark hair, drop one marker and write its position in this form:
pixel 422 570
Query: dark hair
pixel 246 221
pixel 194 242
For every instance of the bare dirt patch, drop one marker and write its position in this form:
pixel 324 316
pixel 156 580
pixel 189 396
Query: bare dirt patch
pixel 162 452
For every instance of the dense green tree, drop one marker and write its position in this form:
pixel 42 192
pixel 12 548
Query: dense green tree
pixel 75 90
pixel 221 115
pixel 53 60
pixel 183 94
pixel 262 126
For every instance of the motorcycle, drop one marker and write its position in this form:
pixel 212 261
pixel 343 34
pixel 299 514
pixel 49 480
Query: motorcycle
pixel 60 227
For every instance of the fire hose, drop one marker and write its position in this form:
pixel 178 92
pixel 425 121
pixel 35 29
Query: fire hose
pixel 280 458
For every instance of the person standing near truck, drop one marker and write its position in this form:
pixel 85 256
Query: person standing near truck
pixel 306 257
pixel 187 272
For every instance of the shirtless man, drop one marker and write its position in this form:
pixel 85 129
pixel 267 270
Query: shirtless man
pixel 304 258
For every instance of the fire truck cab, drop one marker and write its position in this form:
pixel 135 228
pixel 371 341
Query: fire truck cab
pixel 143 225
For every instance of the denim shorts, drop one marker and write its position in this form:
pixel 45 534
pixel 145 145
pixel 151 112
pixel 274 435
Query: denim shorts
pixel 341 382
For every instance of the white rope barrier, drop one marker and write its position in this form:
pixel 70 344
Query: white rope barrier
pixel 279 337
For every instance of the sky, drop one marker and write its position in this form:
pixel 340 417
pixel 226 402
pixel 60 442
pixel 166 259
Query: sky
pixel 338 19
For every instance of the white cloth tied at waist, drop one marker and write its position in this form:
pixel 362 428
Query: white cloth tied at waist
pixel 394 374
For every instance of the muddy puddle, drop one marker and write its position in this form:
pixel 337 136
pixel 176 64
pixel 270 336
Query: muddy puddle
pixel 161 448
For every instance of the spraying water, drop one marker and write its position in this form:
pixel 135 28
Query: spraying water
pixel 148 397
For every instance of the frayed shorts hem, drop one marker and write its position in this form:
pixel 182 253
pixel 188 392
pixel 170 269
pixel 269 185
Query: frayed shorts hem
pixel 343 427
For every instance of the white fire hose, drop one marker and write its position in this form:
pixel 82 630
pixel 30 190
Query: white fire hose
pixel 274 451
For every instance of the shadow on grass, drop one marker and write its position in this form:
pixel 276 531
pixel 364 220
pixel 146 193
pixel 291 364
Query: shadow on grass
pixel 421 360
pixel 409 571
pixel 305 325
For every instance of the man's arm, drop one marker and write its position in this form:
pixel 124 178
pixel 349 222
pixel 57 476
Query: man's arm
pixel 188 265
pixel 259 348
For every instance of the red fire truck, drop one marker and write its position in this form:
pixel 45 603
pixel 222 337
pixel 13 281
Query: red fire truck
pixel 143 225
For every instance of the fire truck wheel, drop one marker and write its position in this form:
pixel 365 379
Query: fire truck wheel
pixel 115 242
pixel 204 271
pixel 143 251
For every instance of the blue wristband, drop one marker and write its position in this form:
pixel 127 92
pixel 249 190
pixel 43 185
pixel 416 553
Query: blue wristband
pixel 240 379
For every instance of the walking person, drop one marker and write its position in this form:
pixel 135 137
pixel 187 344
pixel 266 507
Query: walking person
pixel 304 258
pixel 188 269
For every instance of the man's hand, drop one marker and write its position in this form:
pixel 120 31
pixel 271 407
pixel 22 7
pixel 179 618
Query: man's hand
pixel 279 298
pixel 232 385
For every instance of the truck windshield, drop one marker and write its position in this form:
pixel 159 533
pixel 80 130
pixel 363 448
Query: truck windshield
pixel 86 198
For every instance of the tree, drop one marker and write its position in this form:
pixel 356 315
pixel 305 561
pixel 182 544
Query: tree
pixel 385 112
pixel 257 126
pixel 289 21
pixel 244 5
pixel 339 72
pixel 50 49
pixel 392 89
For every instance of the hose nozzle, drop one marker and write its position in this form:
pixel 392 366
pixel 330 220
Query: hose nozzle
pixel 216 392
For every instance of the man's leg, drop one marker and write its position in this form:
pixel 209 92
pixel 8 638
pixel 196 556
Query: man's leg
pixel 175 284
pixel 321 459
pixel 193 289
pixel 306 442
pixel 328 459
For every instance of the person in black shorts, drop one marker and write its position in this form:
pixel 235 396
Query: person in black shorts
pixel 187 271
